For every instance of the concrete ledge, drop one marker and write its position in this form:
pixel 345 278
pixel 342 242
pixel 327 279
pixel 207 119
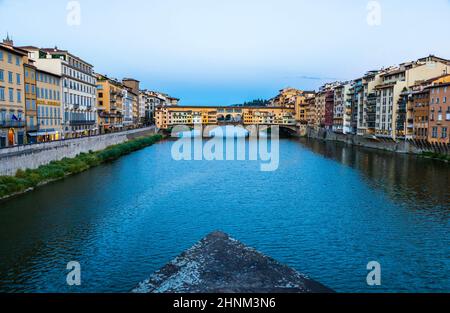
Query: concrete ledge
pixel 35 155
pixel 220 264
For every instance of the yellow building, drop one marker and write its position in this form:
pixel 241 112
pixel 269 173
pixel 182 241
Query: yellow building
pixel 49 110
pixel 109 104
pixel 286 98
pixel 302 106
pixel 12 98
pixel 30 100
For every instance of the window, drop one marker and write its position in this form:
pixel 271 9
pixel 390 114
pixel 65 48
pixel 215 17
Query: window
pixel 444 133
pixel 9 58
pixel 2 75
pixel 18 79
pixel 2 93
pixel 1 55
pixel 10 77
pixel 27 88
pixel 19 96
pixel 434 132
pixel 11 95
pixel 17 61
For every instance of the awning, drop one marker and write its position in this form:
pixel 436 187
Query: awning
pixel 43 133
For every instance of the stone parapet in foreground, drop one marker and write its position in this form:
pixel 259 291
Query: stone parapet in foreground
pixel 220 264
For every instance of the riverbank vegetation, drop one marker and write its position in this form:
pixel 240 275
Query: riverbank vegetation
pixel 32 178
pixel 438 156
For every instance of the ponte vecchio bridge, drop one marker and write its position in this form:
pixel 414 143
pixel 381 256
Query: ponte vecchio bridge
pixel 168 117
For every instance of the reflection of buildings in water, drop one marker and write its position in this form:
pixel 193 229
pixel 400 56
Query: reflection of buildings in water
pixel 419 182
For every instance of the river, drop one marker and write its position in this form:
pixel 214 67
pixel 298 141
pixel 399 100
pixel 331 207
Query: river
pixel 327 211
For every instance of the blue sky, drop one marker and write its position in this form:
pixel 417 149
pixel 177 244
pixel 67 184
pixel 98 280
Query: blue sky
pixel 221 52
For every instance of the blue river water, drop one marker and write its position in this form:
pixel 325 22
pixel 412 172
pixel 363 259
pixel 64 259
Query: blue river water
pixel 327 211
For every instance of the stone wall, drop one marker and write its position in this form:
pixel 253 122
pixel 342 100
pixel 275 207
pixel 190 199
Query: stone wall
pixel 409 146
pixel 33 156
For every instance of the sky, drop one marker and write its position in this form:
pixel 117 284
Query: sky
pixel 222 52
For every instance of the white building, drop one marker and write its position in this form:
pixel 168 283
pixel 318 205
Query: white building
pixel 78 89
pixel 341 111
pixel 127 108
pixel 390 119
pixel 142 106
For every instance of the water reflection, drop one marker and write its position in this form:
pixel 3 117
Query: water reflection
pixel 327 211
pixel 415 182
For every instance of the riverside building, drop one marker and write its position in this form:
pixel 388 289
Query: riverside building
pixel 12 98
pixel 391 106
pixel 78 89
pixel 439 121
pixel 110 98
pixel 49 109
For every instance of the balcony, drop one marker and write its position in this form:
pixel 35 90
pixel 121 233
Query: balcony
pixel 12 124
pixel 81 122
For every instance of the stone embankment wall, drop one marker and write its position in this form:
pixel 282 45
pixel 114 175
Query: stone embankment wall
pixel 33 156
pixel 408 146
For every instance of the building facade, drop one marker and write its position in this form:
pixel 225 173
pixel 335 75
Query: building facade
pixel 12 98
pixel 169 116
pixel 78 89
pixel 439 114
pixel 419 109
pixel 30 100
pixel 391 105
pixel 133 93
pixel 49 108
pixel 329 108
pixel 110 95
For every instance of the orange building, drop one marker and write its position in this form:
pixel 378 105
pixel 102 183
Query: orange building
pixel 439 122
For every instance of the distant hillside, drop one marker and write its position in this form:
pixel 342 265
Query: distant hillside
pixel 254 103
